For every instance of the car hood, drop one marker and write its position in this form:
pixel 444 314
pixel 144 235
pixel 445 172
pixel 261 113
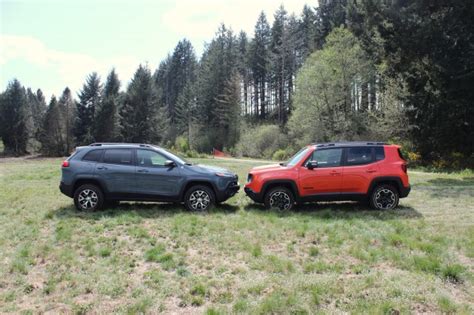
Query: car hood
pixel 266 168
pixel 206 169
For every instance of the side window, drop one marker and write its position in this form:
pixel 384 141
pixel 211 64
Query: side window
pixel 359 155
pixel 327 158
pixel 118 156
pixel 379 153
pixel 93 156
pixel 147 158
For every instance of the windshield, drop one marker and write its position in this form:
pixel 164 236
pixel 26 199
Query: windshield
pixel 297 157
pixel 177 158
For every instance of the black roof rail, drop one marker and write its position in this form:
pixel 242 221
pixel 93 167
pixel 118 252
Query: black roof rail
pixel 348 143
pixel 98 144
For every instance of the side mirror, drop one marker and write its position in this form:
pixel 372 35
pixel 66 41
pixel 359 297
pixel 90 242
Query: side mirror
pixel 312 164
pixel 169 163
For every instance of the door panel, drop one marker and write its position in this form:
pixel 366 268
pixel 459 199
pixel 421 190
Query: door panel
pixel 153 178
pixel 326 178
pixel 117 170
pixel 359 170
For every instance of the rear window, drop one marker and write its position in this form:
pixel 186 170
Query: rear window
pixel 93 156
pixel 118 156
pixel 359 155
pixel 379 153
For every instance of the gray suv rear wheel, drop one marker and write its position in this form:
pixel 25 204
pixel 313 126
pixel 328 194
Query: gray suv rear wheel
pixel 88 197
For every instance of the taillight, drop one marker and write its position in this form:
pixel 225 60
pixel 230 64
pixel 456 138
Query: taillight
pixel 65 164
pixel 404 168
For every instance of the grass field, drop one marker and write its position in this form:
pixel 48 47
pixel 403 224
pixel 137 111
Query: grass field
pixel 239 258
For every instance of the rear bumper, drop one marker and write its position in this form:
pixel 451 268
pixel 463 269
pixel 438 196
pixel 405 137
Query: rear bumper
pixel 404 191
pixel 66 189
pixel 256 197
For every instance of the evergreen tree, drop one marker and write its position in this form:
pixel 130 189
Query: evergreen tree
pixel 173 75
pixel 107 119
pixel 36 111
pixel 218 65
pixel 89 100
pixel 259 61
pixel 142 118
pixel 14 113
pixel 67 109
pixel 52 137
pixel 244 70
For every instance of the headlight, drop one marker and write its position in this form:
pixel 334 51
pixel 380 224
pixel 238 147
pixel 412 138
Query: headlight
pixel 223 174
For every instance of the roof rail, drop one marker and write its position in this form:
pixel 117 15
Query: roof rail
pixel 98 144
pixel 348 143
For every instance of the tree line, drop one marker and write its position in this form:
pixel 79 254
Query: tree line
pixel 345 70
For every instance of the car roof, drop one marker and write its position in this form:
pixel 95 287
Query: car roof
pixel 348 144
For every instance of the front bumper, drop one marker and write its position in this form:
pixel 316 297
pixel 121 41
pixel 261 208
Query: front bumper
pixel 404 191
pixel 231 189
pixel 256 197
pixel 66 189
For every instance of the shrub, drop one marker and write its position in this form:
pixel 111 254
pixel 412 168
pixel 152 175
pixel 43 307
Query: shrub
pixel 280 155
pixel 181 144
pixel 261 141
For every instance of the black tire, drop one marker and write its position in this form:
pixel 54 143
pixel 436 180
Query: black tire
pixel 279 198
pixel 95 195
pixel 199 198
pixel 384 197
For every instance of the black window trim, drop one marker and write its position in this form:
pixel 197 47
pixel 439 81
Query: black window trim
pixel 132 163
pixel 155 151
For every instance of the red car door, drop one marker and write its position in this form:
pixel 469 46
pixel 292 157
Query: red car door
pixel 326 178
pixel 359 170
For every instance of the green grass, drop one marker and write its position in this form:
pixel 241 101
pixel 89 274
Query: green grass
pixel 238 258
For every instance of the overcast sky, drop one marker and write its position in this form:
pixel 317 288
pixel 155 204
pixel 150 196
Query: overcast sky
pixel 51 44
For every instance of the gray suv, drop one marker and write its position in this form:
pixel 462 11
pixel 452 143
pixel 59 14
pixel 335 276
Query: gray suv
pixel 105 173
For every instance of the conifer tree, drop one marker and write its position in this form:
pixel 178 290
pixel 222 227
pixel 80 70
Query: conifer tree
pixel 52 137
pixel 107 119
pixel 143 120
pixel 89 100
pixel 259 60
pixel 67 108
pixel 14 112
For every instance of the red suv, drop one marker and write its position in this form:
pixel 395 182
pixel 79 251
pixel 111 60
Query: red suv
pixel 372 171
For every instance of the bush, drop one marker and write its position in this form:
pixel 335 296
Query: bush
pixel 181 144
pixel 261 141
pixel 280 155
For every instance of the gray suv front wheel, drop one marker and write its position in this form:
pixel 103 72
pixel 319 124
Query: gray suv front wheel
pixel 199 198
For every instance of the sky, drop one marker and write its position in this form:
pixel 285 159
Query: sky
pixel 51 44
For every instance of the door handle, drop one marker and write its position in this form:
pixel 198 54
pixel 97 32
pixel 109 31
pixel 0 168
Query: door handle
pixel 142 171
pixel 335 173
pixel 371 171
pixel 101 168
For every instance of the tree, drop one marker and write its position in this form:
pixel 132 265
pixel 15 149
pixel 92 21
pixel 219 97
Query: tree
pixel 53 142
pixel 259 61
pixel 218 66
pixel 435 63
pixel 89 100
pixel 323 103
pixel 67 111
pixel 14 112
pixel 36 110
pixel 173 76
pixel 142 117
pixel 107 119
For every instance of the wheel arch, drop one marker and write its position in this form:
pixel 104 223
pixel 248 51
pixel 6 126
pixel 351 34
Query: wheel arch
pixel 390 180
pixel 192 183
pixel 288 183
pixel 93 181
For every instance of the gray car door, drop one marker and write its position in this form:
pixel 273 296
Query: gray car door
pixel 117 170
pixel 153 177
